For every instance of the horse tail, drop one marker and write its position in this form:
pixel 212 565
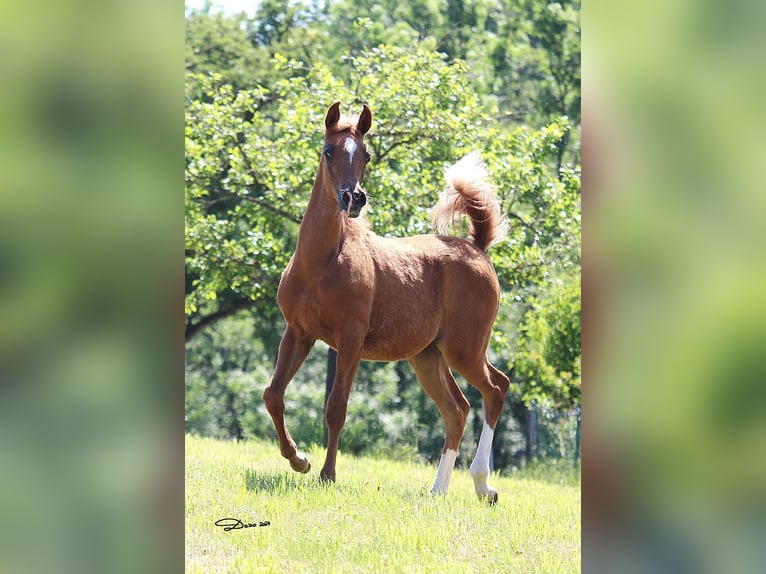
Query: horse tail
pixel 469 192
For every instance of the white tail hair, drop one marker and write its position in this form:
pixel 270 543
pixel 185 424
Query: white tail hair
pixel 470 193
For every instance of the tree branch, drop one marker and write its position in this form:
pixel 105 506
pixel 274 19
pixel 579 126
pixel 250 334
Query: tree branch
pixel 390 148
pixel 264 204
pixel 193 328
pixel 256 186
pixel 518 218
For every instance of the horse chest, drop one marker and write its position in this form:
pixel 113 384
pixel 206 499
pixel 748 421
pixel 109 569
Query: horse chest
pixel 320 302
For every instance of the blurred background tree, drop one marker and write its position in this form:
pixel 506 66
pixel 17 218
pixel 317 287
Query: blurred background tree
pixel 501 77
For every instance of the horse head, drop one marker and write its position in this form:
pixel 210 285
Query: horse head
pixel 344 158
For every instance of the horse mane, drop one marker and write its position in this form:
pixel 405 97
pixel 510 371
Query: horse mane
pixel 469 192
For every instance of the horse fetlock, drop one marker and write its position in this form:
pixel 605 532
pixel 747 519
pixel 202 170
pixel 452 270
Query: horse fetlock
pixel 485 492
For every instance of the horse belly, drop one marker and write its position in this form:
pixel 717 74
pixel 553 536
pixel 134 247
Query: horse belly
pixel 399 333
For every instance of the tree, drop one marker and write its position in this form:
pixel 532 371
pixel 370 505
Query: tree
pixel 220 44
pixel 546 367
pixel 535 57
pixel 250 167
pixel 253 135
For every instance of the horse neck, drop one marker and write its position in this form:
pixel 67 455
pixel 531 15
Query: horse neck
pixel 322 227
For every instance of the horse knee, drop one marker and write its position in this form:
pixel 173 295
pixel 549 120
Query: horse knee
pixel 275 403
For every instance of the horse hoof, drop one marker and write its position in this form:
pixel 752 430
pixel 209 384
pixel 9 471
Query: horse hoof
pixel 490 497
pixel 300 463
pixel 326 476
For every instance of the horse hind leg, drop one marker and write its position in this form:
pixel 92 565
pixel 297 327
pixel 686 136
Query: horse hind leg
pixel 437 380
pixel 493 386
pixel 293 351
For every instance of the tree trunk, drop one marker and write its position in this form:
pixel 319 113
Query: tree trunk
pixel 533 429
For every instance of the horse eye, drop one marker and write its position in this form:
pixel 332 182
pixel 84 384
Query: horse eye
pixel 367 157
pixel 327 151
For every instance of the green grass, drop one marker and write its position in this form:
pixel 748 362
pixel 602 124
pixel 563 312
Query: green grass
pixel 378 517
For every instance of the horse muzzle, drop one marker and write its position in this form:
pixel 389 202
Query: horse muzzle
pixel 352 200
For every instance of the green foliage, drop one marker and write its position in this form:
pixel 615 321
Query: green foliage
pixel 546 367
pixel 219 44
pixel 224 370
pixel 425 114
pixel 523 55
pixel 543 206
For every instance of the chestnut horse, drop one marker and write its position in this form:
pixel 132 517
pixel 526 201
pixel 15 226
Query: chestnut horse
pixel 430 299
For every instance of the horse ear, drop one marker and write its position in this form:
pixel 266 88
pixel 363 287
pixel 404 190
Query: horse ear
pixel 333 115
pixel 365 120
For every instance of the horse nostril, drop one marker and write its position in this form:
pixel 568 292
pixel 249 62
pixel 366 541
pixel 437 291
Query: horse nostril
pixel 359 198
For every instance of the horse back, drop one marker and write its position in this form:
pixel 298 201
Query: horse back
pixel 421 284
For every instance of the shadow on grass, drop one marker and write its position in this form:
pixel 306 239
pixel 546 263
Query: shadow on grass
pixel 270 481
pixel 283 482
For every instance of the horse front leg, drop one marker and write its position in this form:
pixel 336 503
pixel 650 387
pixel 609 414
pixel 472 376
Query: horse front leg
pixel 349 356
pixel 293 350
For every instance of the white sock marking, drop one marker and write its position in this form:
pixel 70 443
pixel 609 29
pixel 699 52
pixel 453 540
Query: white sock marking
pixel 480 464
pixel 444 472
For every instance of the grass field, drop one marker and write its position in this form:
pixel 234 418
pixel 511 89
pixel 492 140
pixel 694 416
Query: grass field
pixel 378 517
